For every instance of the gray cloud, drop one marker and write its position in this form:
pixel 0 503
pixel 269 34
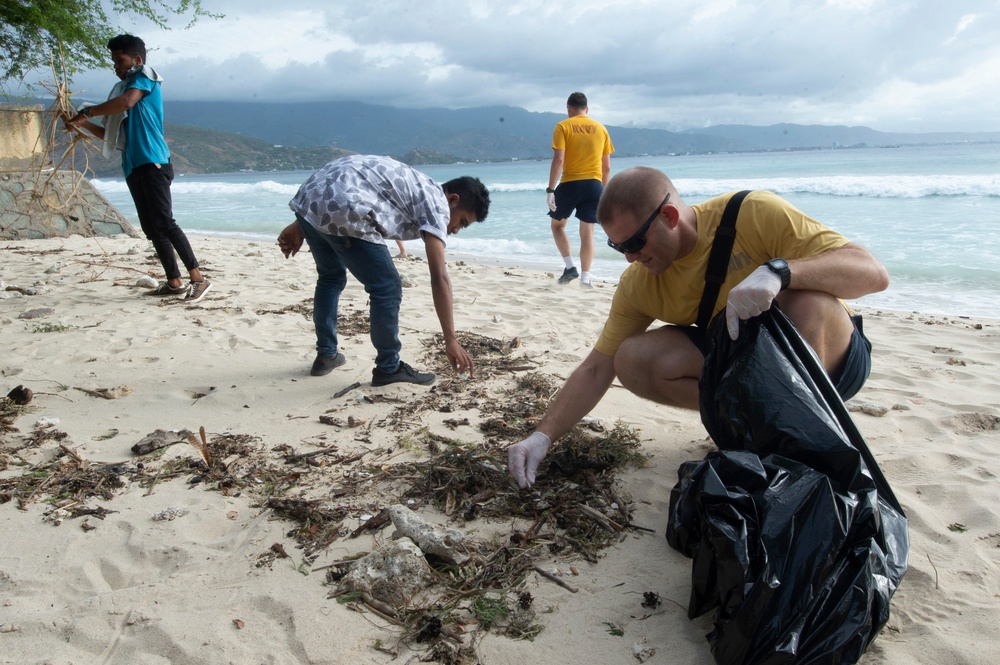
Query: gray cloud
pixel 922 65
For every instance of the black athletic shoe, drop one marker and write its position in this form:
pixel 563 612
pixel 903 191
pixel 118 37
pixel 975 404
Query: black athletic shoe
pixel 403 374
pixel 325 364
pixel 569 274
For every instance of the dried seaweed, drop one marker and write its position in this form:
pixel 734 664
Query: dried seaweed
pixel 318 524
pixel 9 412
pixel 304 308
pixel 64 479
pixel 575 509
pixel 492 356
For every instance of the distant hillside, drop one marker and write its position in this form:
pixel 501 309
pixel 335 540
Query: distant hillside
pixel 215 137
pixel 480 134
pixel 796 137
pixel 197 150
pixel 506 132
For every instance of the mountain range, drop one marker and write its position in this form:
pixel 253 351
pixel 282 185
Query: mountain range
pixel 215 137
pixel 504 132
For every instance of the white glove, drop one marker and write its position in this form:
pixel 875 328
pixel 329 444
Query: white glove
pixel 550 198
pixel 751 297
pixel 524 457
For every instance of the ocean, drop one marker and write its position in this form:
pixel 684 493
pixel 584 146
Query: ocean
pixel 931 214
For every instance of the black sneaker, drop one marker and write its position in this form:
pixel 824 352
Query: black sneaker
pixel 403 374
pixel 569 274
pixel 325 364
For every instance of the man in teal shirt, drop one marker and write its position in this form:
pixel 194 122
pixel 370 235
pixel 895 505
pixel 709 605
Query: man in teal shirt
pixel 134 124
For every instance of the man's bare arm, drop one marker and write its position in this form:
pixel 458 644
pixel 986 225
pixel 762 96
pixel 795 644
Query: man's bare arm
pixel 555 170
pixel 847 272
pixel 579 395
pixel 443 304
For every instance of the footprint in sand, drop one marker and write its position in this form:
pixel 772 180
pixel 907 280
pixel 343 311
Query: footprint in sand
pixel 974 423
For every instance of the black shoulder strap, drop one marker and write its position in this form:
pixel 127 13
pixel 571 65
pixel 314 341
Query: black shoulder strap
pixel 718 259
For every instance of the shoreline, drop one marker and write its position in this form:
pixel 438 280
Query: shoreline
pixel 552 268
pixel 137 589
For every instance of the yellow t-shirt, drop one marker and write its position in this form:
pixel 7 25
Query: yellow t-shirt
pixel 767 227
pixel 585 141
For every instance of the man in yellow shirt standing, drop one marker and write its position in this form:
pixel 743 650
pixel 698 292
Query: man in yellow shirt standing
pixel 581 154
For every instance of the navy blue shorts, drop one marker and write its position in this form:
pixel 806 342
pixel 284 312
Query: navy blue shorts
pixel 857 366
pixel 581 195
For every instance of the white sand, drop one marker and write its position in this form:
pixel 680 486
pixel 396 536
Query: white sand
pixel 135 590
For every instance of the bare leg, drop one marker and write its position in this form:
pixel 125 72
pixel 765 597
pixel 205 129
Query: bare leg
pixel 562 240
pixel 586 246
pixel 661 365
pixel 823 322
pixel 664 366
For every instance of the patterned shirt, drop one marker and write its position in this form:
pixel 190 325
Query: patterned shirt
pixel 373 198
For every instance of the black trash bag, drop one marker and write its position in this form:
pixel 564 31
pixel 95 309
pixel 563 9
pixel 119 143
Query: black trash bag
pixel 795 535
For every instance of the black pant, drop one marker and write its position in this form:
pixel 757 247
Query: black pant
pixel 149 185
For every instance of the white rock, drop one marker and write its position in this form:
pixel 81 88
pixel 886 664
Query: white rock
pixel 441 542
pixel 392 574
pixel 642 652
pixel 146 282
pixel 871 408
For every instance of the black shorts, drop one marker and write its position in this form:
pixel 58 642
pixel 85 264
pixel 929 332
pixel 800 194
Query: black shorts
pixel 857 366
pixel 581 195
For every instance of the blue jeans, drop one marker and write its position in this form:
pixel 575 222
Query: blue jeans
pixel 371 264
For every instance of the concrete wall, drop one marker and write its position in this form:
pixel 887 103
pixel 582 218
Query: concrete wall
pixel 22 143
pixel 36 202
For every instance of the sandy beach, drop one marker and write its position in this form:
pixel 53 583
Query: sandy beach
pixel 108 366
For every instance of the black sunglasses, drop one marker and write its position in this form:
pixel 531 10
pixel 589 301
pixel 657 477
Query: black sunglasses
pixel 636 242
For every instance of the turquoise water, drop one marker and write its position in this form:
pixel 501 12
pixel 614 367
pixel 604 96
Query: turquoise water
pixel 930 213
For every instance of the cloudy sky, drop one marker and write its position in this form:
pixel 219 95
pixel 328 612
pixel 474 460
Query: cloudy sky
pixel 894 65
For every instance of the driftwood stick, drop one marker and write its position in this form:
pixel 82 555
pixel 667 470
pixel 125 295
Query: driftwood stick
pixel 301 456
pixel 107 265
pixel 549 576
pixel 341 393
pixel 599 517
pixel 380 608
pixel 153 484
pixel 342 562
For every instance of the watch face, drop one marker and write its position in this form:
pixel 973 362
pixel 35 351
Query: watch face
pixel 778 264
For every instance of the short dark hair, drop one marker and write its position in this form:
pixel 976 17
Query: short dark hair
pixel 472 195
pixel 130 44
pixel 577 100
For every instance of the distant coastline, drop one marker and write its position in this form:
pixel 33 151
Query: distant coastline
pixel 218 137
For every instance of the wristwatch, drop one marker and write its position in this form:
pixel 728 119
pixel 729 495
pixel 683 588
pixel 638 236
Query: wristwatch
pixel 549 190
pixel 87 112
pixel 780 268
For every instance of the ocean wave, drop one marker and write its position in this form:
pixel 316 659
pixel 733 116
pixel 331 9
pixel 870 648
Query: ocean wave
pixel 889 186
pixel 492 246
pixel 208 188
pixel 871 186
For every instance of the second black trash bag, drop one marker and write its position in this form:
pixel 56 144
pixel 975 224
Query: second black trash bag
pixel 795 535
